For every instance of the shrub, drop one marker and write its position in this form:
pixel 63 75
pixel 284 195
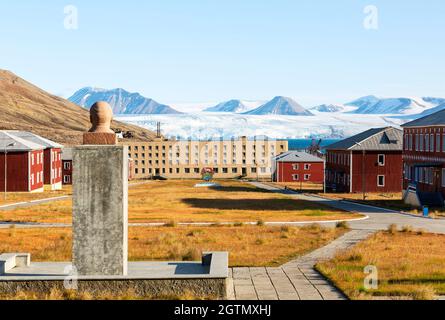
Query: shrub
pixel 407 229
pixel 342 225
pixel 192 255
pixel 261 223
pixel 171 224
pixel 392 229
pixel 285 229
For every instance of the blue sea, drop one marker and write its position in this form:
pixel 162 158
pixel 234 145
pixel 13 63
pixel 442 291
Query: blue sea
pixel 303 144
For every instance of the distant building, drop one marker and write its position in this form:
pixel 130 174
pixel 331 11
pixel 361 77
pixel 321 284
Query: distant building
pixel 52 167
pixel 368 162
pixel 67 166
pixel 23 161
pixel 424 158
pixel 185 159
pixel 296 166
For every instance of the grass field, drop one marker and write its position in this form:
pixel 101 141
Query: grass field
pixel 180 201
pixel 248 245
pixel 410 265
pixel 392 201
pixel 15 197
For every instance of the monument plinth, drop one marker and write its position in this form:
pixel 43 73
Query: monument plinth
pixel 100 199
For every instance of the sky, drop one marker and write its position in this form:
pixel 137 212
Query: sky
pixel 315 51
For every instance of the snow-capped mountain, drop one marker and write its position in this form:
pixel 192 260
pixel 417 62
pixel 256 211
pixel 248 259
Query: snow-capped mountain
pixel 122 101
pixel 328 108
pixel 280 106
pixel 234 106
pixel 406 106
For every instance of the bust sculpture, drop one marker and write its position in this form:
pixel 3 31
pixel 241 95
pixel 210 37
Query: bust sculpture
pixel 101 115
pixel 100 133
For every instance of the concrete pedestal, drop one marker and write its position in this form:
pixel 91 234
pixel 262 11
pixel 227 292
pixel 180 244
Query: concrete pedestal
pixel 100 210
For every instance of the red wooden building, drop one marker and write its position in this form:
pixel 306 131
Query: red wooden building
pixel 369 162
pixel 295 166
pixel 67 166
pixel 424 158
pixel 23 163
pixel 52 169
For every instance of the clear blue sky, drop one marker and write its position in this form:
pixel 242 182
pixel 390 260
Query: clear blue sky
pixel 316 51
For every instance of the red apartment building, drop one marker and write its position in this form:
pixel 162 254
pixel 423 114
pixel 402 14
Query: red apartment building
pixel 23 162
pixel 295 166
pixel 369 162
pixel 52 168
pixel 424 158
pixel 67 166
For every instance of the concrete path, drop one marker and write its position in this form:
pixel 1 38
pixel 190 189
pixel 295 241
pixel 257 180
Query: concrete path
pixel 17 205
pixel 295 280
pixel 298 279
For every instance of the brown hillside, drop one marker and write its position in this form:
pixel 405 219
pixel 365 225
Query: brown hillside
pixel 24 106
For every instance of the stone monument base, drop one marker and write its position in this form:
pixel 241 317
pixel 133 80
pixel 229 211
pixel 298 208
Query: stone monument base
pixel 209 278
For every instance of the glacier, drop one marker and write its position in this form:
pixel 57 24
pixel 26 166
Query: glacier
pixel 204 125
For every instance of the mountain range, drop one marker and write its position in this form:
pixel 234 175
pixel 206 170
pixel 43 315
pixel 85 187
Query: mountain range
pixel 280 106
pixel 24 106
pixel 122 101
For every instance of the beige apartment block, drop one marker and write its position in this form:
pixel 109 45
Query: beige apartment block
pixel 184 159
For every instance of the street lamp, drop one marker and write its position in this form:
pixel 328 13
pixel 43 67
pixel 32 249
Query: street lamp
pixel 12 144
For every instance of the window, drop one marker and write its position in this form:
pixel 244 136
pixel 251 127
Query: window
pixel 307 166
pixel 421 141
pixel 234 170
pixel 427 143
pixel 253 170
pixel 443 178
pixel 295 166
pixel 67 165
pixel 187 170
pixel 381 181
pixel 196 170
pixel 417 142
pixel 295 177
pixel 32 178
pixel 263 170
pixel 381 160
pixel 432 142
pixel 66 179
pixel 225 170
pixel 437 142
pixel 307 177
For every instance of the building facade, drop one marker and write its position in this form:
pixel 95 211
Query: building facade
pixel 369 162
pixel 298 167
pixel 52 167
pixel 67 166
pixel 424 154
pixel 21 164
pixel 185 159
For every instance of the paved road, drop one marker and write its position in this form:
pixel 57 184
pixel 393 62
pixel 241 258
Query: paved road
pixel 298 279
pixel 379 218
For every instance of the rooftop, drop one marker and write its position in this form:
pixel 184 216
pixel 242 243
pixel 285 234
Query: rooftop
pixel 16 141
pixel 378 139
pixel 295 156
pixel 434 119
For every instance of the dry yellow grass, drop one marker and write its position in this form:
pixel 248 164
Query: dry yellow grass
pixel 305 186
pixel 179 201
pixel 410 265
pixel 392 201
pixel 248 245
pixel 15 197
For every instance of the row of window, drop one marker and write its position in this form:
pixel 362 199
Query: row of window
pixel 196 155
pixel 296 177
pixel 419 174
pixel 39 176
pixel 344 159
pixel 187 147
pixel 197 171
pixel 196 162
pixel 344 179
pixel 425 142
pixel 38 158
pixel 296 166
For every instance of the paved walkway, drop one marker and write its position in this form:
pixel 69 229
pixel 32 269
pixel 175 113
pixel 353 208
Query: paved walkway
pixel 298 279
